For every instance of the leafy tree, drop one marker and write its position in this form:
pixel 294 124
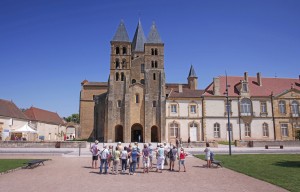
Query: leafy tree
pixel 73 118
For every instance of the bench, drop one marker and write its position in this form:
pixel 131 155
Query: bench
pixel 216 162
pixel 267 146
pixel 34 163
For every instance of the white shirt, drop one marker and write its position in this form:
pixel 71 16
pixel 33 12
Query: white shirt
pixel 124 154
pixel 104 153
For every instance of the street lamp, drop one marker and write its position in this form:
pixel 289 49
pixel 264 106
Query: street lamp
pixel 228 116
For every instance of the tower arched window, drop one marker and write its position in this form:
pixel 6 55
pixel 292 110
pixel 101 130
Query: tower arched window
pixel 155 64
pixel 137 98
pixel 117 64
pixel 154 76
pixel 122 77
pixel 133 81
pixel 143 81
pixel 117 76
pixel 117 50
pixel 123 63
pixel 155 52
pixel 152 64
pixel 152 51
pixel 124 50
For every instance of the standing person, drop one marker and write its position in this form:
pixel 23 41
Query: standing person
pixel 103 155
pixel 172 155
pixel 134 155
pixel 182 156
pixel 119 145
pixel 166 151
pixel 139 151
pixel 145 153
pixel 160 159
pixel 116 161
pixel 129 149
pixel 110 156
pixel 207 155
pixel 189 142
pixel 124 157
pixel 95 153
pixel 180 142
pixel 150 149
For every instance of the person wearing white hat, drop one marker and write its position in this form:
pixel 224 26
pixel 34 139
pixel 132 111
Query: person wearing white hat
pixel 95 153
pixel 160 159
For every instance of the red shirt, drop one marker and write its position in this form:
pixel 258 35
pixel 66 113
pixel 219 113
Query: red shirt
pixel 182 155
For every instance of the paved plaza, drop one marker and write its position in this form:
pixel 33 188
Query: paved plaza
pixel 69 172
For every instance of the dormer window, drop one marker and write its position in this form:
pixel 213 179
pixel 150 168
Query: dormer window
pixel 244 86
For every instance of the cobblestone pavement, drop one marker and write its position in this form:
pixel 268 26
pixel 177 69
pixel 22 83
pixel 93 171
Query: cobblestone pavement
pixel 75 174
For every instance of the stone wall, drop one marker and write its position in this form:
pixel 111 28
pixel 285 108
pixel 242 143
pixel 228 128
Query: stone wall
pixel 44 144
pixel 284 143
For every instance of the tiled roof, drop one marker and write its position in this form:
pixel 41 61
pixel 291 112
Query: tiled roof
pixel 139 38
pixel 36 114
pixel 121 34
pixel 9 109
pixel 153 36
pixel 269 86
pixel 186 93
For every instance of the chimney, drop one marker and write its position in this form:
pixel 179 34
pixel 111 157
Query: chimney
pixel 216 86
pixel 259 81
pixel 180 88
pixel 246 76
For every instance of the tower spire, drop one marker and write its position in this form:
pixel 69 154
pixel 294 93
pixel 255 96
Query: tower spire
pixel 121 34
pixel 139 38
pixel 153 36
pixel 192 72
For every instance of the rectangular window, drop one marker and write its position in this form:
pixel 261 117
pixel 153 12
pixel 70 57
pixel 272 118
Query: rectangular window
pixel 143 68
pixel 173 108
pixel 263 107
pixel 265 130
pixel 193 108
pixel 217 131
pixel 282 107
pixel 153 103
pixel 119 103
pixel 247 130
pixel 228 107
pixel 244 87
pixel 284 129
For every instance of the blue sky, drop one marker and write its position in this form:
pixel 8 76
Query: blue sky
pixel 48 47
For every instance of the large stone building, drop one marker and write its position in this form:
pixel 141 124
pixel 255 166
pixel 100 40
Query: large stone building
pixel 136 104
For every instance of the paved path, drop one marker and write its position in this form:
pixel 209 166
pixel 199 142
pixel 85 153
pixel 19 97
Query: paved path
pixel 67 173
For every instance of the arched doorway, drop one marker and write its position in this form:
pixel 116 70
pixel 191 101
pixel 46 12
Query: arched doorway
pixel 119 133
pixel 154 134
pixel 137 133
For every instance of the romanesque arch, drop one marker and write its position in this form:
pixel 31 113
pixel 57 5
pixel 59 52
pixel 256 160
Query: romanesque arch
pixel 137 134
pixel 119 133
pixel 154 134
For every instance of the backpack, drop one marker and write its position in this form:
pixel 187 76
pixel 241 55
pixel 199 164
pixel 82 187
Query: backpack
pixel 212 156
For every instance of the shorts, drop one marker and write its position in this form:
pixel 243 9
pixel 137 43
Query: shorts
pixel 146 161
pixel 95 158
pixel 182 161
pixel 207 158
pixel 172 158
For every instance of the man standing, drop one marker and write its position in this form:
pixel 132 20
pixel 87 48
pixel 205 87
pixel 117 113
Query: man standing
pixel 95 152
pixel 104 154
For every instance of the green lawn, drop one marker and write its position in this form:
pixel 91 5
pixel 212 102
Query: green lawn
pixel 280 169
pixel 8 164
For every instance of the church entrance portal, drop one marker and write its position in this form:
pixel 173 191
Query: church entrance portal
pixel 136 133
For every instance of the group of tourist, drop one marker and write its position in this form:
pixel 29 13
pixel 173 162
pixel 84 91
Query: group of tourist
pixel 111 158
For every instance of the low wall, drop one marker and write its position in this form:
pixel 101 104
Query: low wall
pixel 42 144
pixel 284 143
pixel 200 144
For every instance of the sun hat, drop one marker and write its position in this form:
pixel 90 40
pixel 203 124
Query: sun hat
pixel 96 141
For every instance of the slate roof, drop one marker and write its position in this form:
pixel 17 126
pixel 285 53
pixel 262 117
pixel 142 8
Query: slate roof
pixel 121 34
pixel 36 114
pixel 139 38
pixel 192 72
pixel 269 86
pixel 153 36
pixel 9 109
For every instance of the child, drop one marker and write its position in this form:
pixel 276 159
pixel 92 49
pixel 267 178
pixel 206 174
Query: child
pixel 182 156
pixel 207 155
